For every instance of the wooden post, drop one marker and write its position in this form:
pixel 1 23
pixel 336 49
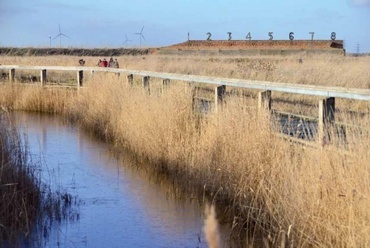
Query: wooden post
pixel 326 119
pixel 165 84
pixel 219 95
pixel 80 76
pixel 130 79
pixel 146 83
pixel 43 77
pixel 264 101
pixel 189 85
pixel 11 75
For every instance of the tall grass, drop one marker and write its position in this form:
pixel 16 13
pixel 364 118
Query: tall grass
pixel 26 203
pixel 19 186
pixel 272 191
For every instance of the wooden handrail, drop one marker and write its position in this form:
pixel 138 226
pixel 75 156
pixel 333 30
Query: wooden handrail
pixel 314 90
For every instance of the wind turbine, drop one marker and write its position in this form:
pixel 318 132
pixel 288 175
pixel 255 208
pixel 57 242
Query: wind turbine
pixel 126 41
pixel 141 34
pixel 60 36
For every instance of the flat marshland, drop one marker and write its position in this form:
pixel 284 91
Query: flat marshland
pixel 271 190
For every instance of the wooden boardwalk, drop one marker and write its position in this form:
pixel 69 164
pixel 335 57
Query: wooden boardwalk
pixel 326 115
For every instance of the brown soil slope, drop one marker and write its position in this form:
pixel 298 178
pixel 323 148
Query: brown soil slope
pixel 259 44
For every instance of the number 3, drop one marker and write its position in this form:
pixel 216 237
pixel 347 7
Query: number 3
pixel 229 33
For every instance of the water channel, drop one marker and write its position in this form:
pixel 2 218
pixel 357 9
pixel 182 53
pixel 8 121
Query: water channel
pixel 119 206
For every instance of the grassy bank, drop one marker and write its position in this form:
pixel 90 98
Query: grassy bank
pixel 274 191
pixel 28 207
pixel 19 187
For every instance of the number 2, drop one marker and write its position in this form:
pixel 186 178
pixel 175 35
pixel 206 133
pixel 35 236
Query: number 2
pixel 209 36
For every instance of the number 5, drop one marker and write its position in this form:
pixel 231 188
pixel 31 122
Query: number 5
pixel 270 34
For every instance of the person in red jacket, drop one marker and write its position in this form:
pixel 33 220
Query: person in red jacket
pixel 104 63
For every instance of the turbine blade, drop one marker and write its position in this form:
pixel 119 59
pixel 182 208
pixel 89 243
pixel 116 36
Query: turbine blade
pixel 56 36
pixel 143 36
pixel 142 29
pixel 65 35
pixel 59 29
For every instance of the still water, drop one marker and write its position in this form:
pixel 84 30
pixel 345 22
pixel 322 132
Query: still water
pixel 119 206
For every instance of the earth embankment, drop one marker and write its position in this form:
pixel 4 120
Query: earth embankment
pixel 31 51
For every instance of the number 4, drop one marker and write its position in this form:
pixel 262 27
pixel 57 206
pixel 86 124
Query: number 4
pixel 248 37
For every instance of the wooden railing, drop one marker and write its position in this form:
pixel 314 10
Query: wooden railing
pixel 326 115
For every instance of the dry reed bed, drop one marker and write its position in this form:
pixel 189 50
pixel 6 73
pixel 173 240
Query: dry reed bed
pixel 316 70
pixel 309 196
pixel 305 196
pixel 324 70
pixel 19 187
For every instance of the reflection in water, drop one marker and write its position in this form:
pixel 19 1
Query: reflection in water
pixel 120 206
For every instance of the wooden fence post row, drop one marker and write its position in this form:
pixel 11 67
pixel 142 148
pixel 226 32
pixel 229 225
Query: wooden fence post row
pixel 219 96
pixel 326 105
pixel 264 101
pixel 80 76
pixel 43 77
pixel 130 79
pixel 11 75
pixel 146 83
pixel 326 119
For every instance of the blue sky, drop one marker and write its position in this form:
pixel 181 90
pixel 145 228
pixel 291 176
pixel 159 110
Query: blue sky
pixel 104 23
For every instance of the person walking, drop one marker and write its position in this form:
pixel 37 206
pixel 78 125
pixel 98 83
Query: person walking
pixel 116 63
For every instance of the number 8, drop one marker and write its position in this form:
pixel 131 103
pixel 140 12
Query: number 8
pixel 333 36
